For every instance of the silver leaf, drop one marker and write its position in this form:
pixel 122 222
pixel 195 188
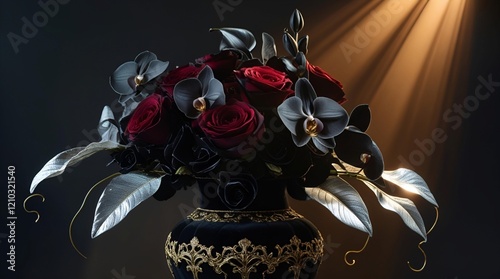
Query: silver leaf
pixel 268 47
pixel 107 127
pixel 343 201
pixel 122 195
pixel 289 65
pixel 58 164
pixel 303 44
pixel 238 38
pixel 410 181
pixel 404 207
pixel 290 44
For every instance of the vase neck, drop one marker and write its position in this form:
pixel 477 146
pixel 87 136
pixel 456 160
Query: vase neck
pixel 271 195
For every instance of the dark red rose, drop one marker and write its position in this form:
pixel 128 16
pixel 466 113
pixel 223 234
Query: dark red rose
pixel 233 90
pixel 222 63
pixel 229 125
pixel 168 83
pixel 149 123
pixel 265 86
pixel 325 85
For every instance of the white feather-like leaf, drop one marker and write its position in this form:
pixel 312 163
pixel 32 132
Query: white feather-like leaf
pixel 404 207
pixel 58 164
pixel 107 127
pixel 268 47
pixel 238 38
pixel 343 201
pixel 122 194
pixel 410 181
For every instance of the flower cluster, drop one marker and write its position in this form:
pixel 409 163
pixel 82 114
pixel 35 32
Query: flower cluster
pixel 229 112
pixel 234 119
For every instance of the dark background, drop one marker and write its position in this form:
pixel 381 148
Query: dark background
pixel 54 87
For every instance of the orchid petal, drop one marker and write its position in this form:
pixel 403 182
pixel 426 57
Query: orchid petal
pixel 333 116
pixel 352 144
pixel 301 139
pixel 215 93
pixel 205 76
pixel 360 117
pixel 323 144
pixel 290 112
pixel 185 92
pixel 143 59
pixel 306 93
pixel 121 81
pixel 154 69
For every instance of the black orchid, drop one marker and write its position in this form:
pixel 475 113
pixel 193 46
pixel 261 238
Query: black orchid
pixel 194 95
pixel 309 117
pixel 356 148
pixel 129 78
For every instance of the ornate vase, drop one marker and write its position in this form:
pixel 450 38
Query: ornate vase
pixel 267 239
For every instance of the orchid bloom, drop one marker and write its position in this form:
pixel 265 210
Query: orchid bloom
pixel 195 95
pixel 130 77
pixel 309 117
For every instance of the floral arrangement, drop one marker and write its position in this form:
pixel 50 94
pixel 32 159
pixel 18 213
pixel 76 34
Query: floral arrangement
pixel 234 119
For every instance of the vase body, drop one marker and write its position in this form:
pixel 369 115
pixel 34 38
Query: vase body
pixel 267 239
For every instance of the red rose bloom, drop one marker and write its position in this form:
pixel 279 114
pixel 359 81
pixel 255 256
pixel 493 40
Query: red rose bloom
pixel 168 83
pixel 229 125
pixel 325 85
pixel 265 86
pixel 222 63
pixel 233 90
pixel 149 122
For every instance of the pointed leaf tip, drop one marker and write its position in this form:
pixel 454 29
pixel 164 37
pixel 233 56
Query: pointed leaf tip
pixel 237 38
pixel 404 207
pixel 344 202
pixel 58 164
pixel 410 181
pixel 122 194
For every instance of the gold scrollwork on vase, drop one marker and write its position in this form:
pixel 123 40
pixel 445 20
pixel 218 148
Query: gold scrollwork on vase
pixel 228 216
pixel 245 257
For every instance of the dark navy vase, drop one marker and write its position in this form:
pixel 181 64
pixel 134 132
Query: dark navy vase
pixel 266 239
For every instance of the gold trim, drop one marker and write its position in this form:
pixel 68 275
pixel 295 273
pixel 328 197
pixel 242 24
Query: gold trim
pixel 231 216
pixel 245 257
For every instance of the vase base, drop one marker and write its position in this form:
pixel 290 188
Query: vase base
pixel 237 244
